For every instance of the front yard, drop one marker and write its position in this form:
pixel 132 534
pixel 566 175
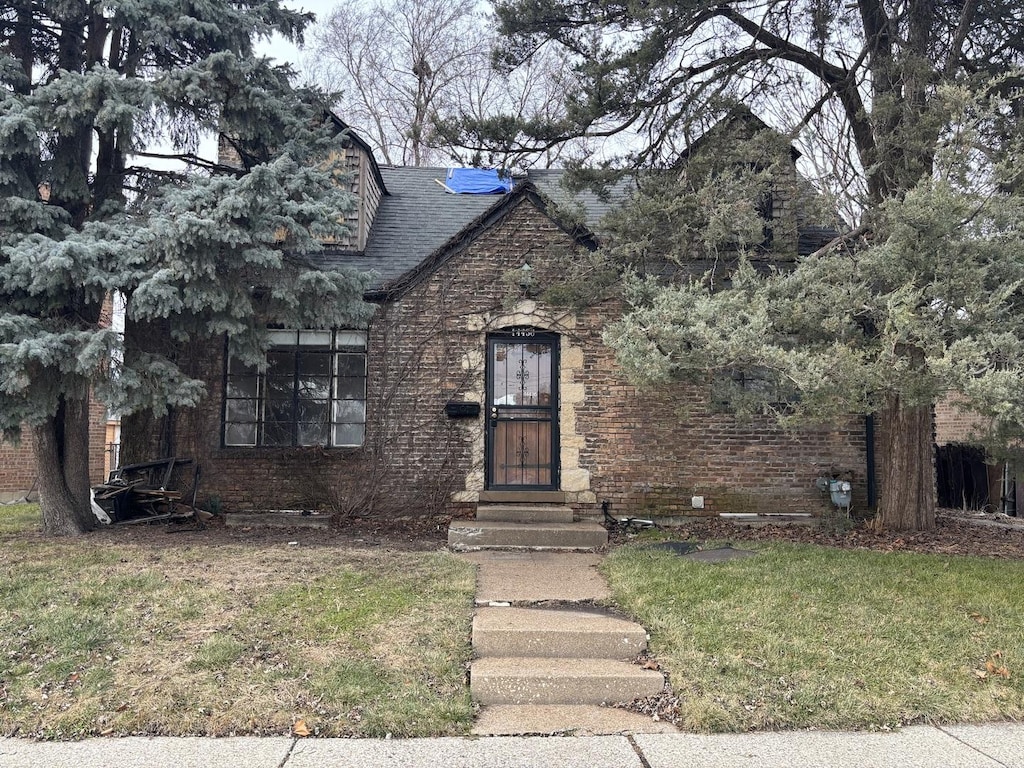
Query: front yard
pixel 131 631
pixel 137 630
pixel 803 636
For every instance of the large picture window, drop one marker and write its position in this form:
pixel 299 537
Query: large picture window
pixel 313 392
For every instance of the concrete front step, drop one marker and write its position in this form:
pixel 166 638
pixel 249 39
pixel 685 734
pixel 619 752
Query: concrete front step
pixel 532 680
pixel 484 534
pixel 522 497
pixel 574 719
pixel 525 513
pixel 541 632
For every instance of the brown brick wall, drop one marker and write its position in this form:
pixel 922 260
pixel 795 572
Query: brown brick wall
pixel 17 467
pixel 954 424
pixel 657 449
pixel 641 451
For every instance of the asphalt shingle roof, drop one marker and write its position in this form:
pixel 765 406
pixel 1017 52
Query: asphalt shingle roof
pixel 549 182
pixel 419 216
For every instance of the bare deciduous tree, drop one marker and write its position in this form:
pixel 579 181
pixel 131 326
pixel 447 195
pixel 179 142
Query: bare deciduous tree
pixel 407 71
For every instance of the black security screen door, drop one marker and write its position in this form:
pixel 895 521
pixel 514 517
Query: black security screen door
pixel 522 410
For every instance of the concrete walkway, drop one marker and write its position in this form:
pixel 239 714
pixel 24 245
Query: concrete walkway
pixel 968 746
pixel 548 669
pixel 535 577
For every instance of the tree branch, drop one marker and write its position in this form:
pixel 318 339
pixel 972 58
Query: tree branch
pixel 839 78
pixel 960 36
pixel 846 237
pixel 193 160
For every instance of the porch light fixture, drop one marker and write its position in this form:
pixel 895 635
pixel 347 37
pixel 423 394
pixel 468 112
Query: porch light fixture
pixel 526 278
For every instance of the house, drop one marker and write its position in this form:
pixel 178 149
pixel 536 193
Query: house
pixel 967 476
pixel 467 384
pixel 18 465
pixel 18 479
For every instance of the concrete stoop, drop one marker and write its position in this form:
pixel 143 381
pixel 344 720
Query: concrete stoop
pixel 546 632
pixel 563 719
pixel 536 680
pixel 525 513
pixel 502 534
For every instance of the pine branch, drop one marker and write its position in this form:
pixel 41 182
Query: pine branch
pixel 192 160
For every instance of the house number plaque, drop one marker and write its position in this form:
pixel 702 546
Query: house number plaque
pixel 524 333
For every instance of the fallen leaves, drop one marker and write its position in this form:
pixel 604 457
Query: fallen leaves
pixel 300 728
pixel 993 668
pixel 951 536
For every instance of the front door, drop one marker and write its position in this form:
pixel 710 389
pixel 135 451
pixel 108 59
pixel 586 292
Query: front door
pixel 522 410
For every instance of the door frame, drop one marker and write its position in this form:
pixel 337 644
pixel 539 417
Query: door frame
pixel 521 335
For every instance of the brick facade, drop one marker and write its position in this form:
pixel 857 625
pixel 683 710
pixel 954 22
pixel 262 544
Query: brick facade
pixel 646 452
pixel 955 424
pixel 18 465
pixel 17 468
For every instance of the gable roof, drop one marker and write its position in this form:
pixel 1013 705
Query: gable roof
pixel 419 216
pixel 419 221
pixel 349 136
pixel 524 191
pixel 740 118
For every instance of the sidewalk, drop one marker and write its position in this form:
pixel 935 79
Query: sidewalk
pixel 967 746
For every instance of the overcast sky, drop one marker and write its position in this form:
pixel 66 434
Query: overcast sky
pixel 285 51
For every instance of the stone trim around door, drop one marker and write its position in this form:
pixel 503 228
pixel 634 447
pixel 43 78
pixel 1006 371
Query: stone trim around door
pixel 574 479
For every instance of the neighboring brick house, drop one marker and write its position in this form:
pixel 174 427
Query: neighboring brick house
pixel 967 476
pixel 18 464
pixel 17 461
pixel 465 382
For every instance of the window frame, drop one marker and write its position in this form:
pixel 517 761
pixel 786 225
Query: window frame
pixel 755 380
pixel 249 425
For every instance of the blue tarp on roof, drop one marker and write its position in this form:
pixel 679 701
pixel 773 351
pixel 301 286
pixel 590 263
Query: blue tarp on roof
pixel 478 181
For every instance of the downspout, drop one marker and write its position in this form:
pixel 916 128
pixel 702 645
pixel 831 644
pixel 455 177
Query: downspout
pixel 869 455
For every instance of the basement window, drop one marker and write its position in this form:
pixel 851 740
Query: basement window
pixel 311 392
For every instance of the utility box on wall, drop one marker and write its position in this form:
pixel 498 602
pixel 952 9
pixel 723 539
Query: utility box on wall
pixel 840 491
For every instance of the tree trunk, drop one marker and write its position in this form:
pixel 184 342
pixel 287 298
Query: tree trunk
pixel 907 472
pixel 62 465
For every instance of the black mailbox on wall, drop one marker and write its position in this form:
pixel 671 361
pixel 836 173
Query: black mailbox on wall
pixel 459 409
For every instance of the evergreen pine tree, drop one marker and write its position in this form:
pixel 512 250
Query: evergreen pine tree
pixel 912 110
pixel 90 91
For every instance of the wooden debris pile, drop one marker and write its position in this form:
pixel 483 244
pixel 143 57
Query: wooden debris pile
pixel 163 489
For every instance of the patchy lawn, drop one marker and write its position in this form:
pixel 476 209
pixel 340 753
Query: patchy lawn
pixel 803 636
pixel 132 631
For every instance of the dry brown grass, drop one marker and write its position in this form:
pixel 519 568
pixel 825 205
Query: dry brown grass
pixel 146 633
